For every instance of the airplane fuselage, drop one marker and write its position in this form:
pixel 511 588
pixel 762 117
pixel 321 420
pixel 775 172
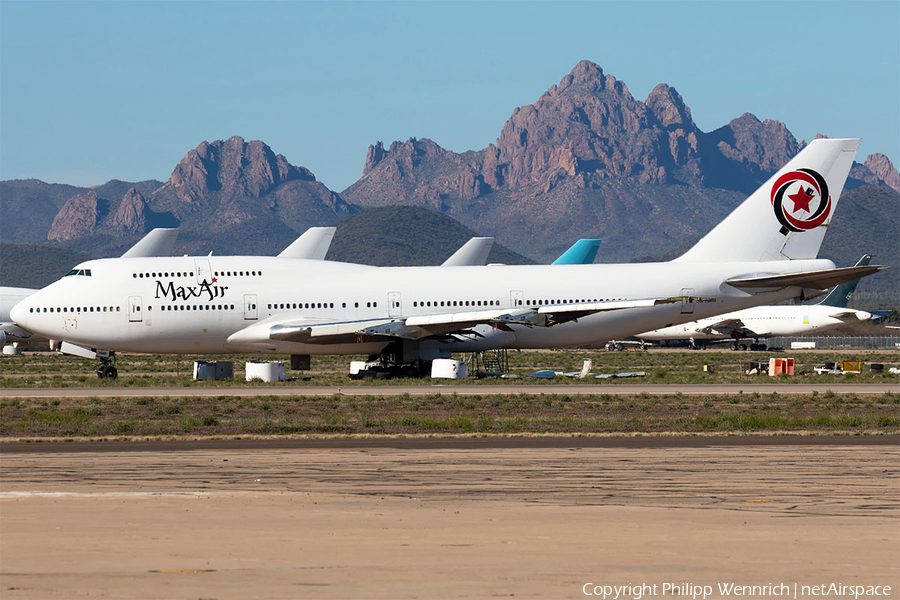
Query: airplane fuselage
pixel 765 321
pixel 195 304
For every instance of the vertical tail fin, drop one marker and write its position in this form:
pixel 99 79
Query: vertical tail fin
pixel 582 252
pixel 840 295
pixel 787 217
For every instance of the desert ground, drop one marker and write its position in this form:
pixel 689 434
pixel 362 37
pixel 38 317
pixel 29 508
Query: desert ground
pixel 443 522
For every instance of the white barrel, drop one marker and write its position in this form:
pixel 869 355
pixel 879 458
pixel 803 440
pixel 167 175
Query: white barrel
pixel 447 368
pixel 265 371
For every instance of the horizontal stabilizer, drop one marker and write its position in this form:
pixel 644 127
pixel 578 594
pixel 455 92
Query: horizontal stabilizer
pixel 819 280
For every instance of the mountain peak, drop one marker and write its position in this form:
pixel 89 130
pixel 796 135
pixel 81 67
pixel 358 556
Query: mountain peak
pixel 668 107
pixel 586 70
pixel 233 168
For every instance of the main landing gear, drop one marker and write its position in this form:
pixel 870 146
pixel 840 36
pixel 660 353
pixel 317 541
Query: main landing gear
pixel 107 368
pixel 754 347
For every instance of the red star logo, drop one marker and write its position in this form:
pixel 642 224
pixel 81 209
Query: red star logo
pixel 802 198
pixel 215 279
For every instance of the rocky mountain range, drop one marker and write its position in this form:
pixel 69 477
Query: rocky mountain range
pixel 587 159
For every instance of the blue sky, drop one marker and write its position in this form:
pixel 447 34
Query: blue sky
pixel 91 91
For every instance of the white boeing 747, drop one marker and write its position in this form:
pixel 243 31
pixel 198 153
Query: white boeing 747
pixel 764 252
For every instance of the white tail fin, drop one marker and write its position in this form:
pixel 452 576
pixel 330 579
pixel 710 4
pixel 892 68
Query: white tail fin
pixel 787 217
pixel 313 244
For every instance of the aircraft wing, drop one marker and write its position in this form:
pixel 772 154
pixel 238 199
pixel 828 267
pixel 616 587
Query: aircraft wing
pixel 289 328
pixel 727 328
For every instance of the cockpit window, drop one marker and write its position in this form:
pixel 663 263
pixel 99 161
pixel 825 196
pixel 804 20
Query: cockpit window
pixel 84 272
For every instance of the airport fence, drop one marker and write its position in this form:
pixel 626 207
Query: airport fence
pixel 835 341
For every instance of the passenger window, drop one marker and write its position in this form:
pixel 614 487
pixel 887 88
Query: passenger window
pixel 356 305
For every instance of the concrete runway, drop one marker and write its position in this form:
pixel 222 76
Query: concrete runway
pixel 446 522
pixel 433 443
pixel 428 390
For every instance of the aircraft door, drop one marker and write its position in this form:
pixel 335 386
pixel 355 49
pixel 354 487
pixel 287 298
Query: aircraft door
pixel 516 298
pixel 395 306
pixel 687 301
pixel 203 272
pixel 250 308
pixel 134 309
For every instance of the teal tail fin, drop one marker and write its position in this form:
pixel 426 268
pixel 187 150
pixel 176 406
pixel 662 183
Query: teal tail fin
pixel 582 252
pixel 840 295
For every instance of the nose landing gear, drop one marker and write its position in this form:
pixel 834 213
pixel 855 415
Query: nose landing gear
pixel 107 368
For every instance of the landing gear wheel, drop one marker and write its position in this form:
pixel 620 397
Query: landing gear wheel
pixel 743 347
pixel 734 346
pixel 107 372
pixel 620 347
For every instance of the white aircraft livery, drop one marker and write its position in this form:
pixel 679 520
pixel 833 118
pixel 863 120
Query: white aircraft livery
pixel 769 321
pixel 764 252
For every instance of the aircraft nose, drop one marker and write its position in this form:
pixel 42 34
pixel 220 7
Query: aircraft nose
pixel 19 314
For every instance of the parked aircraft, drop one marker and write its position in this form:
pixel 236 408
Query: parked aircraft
pixel 10 333
pixel 762 253
pixel 157 242
pixel 769 321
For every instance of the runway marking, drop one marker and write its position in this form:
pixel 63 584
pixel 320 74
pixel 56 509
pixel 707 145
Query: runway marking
pixel 181 571
pixel 30 494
